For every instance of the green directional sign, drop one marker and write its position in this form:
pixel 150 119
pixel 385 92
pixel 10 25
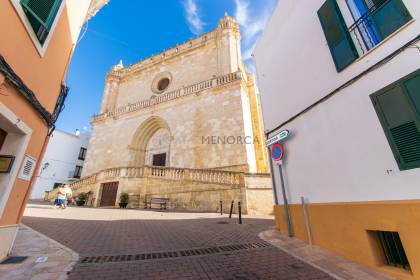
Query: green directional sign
pixel 277 138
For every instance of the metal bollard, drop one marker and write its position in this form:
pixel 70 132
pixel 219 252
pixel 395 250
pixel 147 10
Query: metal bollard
pixel 240 212
pixel 231 208
pixel 221 208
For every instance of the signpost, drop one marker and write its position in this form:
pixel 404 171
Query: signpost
pixel 277 138
pixel 276 151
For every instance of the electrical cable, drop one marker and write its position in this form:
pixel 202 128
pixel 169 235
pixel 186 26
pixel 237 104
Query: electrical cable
pixel 415 47
pixel 349 82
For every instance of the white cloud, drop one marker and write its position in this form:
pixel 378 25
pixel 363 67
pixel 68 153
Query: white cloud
pixel 251 25
pixel 241 13
pixel 194 21
pixel 247 52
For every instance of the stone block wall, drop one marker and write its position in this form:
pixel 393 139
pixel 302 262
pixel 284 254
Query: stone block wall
pixel 207 131
pixel 259 194
pixel 193 190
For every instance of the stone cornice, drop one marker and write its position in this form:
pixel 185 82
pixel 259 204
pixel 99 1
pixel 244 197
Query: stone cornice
pixel 225 23
pixel 172 95
pixel 188 46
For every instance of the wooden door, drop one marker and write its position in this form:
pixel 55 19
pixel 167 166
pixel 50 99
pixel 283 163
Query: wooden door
pixel 109 194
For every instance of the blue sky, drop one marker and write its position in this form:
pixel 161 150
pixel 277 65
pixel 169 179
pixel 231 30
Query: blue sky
pixel 132 30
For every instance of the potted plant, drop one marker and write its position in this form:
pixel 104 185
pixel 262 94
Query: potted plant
pixel 81 199
pixel 123 200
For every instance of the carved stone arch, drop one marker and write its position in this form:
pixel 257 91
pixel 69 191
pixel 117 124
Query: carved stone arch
pixel 142 136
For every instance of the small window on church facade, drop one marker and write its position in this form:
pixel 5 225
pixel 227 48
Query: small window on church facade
pixel 163 84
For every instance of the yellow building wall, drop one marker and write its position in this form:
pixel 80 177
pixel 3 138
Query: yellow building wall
pixel 44 77
pixel 343 228
pixel 257 127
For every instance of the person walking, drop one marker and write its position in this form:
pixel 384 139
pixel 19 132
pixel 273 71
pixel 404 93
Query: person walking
pixel 61 197
pixel 69 195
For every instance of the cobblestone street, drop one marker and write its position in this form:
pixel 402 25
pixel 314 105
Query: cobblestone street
pixel 125 244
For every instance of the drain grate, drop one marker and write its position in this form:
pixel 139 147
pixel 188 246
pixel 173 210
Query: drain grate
pixel 174 254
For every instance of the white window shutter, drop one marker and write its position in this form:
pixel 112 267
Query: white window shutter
pixel 27 168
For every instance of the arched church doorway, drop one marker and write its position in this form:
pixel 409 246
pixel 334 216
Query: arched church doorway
pixel 151 143
pixel 157 149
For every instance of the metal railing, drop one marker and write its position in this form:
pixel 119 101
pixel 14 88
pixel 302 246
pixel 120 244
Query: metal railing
pixel 363 30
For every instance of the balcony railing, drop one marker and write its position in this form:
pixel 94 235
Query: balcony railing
pixel 377 23
pixel 195 178
pixel 170 173
pixel 188 90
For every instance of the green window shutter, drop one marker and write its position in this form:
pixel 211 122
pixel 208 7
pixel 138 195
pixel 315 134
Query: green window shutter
pixel 412 86
pixel 390 16
pixel 41 15
pixel 400 120
pixel 338 38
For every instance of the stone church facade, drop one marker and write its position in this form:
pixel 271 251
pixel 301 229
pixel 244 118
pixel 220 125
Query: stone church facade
pixel 184 124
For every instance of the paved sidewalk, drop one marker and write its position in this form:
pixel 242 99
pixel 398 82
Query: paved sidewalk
pixel 144 244
pixel 334 265
pixel 132 244
pixel 34 245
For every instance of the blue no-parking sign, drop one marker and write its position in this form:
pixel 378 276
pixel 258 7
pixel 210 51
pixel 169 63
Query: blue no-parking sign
pixel 277 151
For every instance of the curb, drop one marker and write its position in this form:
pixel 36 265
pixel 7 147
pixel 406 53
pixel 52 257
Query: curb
pixel 263 237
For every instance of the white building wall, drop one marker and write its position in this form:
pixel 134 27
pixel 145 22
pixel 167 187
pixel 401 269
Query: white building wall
pixel 337 151
pixel 76 11
pixel 295 67
pixel 62 155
